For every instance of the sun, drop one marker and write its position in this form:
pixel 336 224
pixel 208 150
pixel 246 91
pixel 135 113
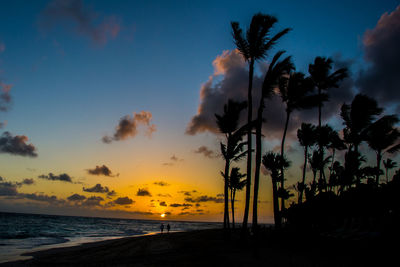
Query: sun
pixel 162 215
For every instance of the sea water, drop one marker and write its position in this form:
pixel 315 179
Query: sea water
pixel 22 233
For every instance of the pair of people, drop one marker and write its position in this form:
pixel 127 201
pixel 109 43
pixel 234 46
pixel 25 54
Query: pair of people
pixel 162 228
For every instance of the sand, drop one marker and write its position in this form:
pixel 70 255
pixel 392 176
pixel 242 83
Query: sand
pixel 210 248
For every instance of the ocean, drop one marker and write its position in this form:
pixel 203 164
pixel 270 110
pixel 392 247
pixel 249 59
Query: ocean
pixel 22 233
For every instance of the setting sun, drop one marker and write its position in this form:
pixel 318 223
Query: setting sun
pixel 162 215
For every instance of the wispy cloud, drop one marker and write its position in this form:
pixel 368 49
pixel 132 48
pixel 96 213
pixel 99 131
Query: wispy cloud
pixel 62 177
pixel 206 152
pixel 161 183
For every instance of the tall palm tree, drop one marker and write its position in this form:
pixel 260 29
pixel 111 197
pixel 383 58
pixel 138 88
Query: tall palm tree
pixel 307 138
pixel 383 137
pixel 389 164
pixel 295 93
pixel 274 163
pixel 320 72
pixel 335 143
pixel 233 149
pixel 357 117
pixel 235 183
pixel 274 73
pixel 254 46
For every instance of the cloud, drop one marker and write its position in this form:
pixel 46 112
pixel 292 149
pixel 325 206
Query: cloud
pixel 176 205
pixel 186 193
pixel 161 183
pixel 164 195
pixel 204 199
pixel 93 201
pixel 8 189
pixel 101 170
pixel 84 21
pixel 163 204
pixel 381 50
pixel 98 188
pixel 26 181
pixel 127 127
pixel 16 145
pixel 143 192
pixel 76 197
pixel 42 198
pixel 123 201
pixel 62 177
pixel 206 152
pixel 5 97
pixel 230 81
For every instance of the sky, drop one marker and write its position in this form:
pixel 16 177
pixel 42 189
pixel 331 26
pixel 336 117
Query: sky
pixel 107 107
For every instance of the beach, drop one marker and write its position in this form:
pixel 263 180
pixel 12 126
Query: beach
pixel 211 248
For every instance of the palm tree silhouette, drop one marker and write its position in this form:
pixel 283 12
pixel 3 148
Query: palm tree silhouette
pixel 254 46
pixel 275 163
pixel 235 183
pixel 335 143
pixel 274 73
pixel 323 79
pixel 233 149
pixel 389 164
pixel 307 138
pixel 383 137
pixel 295 93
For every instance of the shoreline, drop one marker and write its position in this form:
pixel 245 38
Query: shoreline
pixel 211 248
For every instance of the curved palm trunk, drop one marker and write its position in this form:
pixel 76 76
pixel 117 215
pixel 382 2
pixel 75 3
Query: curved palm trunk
pixel 387 175
pixel 277 217
pixel 258 165
pixel 249 145
pixel 226 196
pixel 233 207
pixel 282 155
pixel 378 165
pixel 321 149
pixel 304 175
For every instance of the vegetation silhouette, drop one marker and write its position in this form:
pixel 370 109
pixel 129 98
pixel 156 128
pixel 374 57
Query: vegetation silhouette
pixel 236 183
pixel 254 46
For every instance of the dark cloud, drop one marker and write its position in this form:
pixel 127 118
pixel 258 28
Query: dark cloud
pixel 176 205
pixel 93 201
pixel 98 188
pixel 206 152
pixel 27 181
pixel 186 193
pixel 8 188
pixel 101 170
pixel 230 81
pixel 381 49
pixel 162 203
pixel 143 192
pixel 123 201
pixel 86 22
pixel 62 177
pixel 5 97
pixel 42 198
pixel 76 197
pixel 16 145
pixel 127 127
pixel 204 199
pixel 161 183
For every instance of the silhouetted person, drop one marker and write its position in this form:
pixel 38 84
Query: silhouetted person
pixel 162 228
pixel 168 228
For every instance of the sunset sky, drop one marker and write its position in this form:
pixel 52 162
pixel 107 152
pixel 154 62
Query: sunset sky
pixel 107 107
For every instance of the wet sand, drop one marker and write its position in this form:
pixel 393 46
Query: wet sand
pixel 210 248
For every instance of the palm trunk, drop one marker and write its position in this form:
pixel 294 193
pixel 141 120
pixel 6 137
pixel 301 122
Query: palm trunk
pixel 233 207
pixel 226 195
pixel 277 217
pixel 387 175
pixel 321 149
pixel 258 164
pixel 249 145
pixel 282 155
pixel 304 174
pixel 378 165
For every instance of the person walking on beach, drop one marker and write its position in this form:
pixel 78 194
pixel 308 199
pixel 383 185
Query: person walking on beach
pixel 162 228
pixel 168 228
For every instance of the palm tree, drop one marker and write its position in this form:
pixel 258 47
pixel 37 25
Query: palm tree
pixel 323 79
pixel 295 93
pixel 357 117
pixel 335 143
pixel 307 138
pixel 254 46
pixel 389 164
pixel 233 149
pixel 274 163
pixel 235 183
pixel 383 137
pixel 275 71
